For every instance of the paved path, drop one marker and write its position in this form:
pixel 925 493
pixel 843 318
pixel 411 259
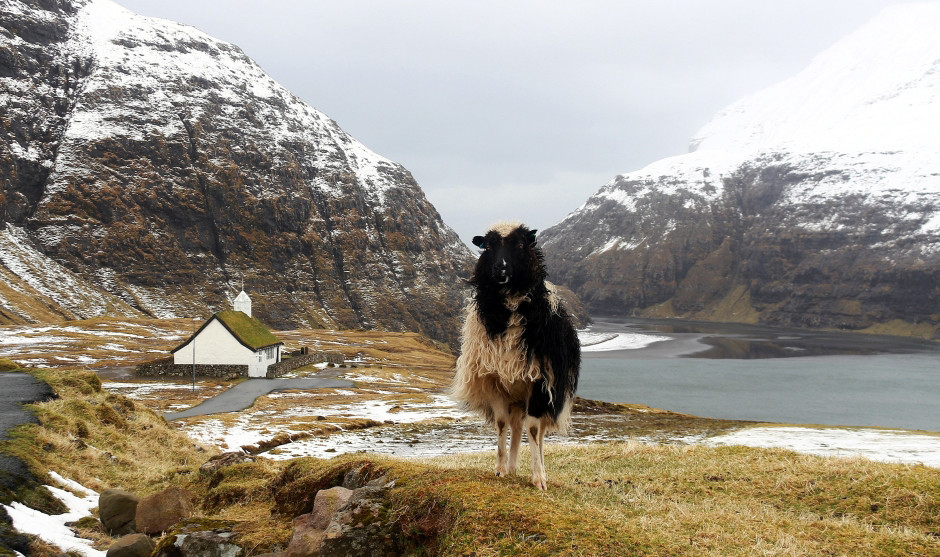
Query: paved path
pixel 17 389
pixel 243 395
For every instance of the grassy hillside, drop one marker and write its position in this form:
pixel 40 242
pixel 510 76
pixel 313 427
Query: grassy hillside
pixel 603 499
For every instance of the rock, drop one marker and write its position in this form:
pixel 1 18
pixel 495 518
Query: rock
pixel 306 539
pixel 223 460
pixel 347 522
pixel 117 510
pixel 200 537
pixel 211 543
pixel 159 512
pixel 362 527
pixel 309 528
pixel 326 503
pixel 132 545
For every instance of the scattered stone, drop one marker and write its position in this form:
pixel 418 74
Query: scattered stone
pixel 206 543
pixel 223 460
pixel 132 545
pixel 117 510
pixel 200 537
pixel 159 512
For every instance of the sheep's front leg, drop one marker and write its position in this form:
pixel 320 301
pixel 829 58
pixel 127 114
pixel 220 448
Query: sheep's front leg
pixel 536 447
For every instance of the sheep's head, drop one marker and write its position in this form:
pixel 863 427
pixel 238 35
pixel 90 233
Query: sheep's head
pixel 510 260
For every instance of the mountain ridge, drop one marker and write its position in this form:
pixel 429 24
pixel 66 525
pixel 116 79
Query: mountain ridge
pixel 163 167
pixel 778 215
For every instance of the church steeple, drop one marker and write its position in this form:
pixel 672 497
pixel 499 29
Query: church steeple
pixel 243 303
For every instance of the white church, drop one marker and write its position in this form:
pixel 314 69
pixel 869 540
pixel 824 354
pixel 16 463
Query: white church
pixel 232 337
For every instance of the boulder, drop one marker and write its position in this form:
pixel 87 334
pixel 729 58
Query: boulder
pixel 306 539
pixel 117 510
pixel 132 545
pixel 359 524
pixel 309 529
pixel 159 512
pixel 326 504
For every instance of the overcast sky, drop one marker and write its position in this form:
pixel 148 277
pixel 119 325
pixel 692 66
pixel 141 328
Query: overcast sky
pixel 522 109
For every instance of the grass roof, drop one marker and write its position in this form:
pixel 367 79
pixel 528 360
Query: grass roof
pixel 248 330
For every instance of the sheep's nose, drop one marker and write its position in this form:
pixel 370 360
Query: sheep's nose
pixel 501 271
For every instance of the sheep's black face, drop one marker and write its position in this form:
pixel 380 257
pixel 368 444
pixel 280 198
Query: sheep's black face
pixel 510 262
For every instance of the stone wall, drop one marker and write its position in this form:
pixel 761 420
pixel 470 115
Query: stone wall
pixel 289 364
pixel 166 368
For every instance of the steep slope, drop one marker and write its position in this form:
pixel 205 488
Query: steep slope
pixel 813 203
pixel 165 167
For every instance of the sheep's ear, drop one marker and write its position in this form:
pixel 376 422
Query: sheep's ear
pixel 530 237
pixel 479 242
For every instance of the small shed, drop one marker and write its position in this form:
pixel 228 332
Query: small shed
pixel 232 338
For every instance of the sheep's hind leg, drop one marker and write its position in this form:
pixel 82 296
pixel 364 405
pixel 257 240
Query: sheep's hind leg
pixel 515 425
pixel 536 447
pixel 502 425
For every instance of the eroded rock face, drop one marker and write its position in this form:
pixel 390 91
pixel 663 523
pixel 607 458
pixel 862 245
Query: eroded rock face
pixel 757 247
pixel 162 166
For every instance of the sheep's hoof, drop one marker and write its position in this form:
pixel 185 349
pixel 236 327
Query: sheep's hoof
pixel 501 472
pixel 540 483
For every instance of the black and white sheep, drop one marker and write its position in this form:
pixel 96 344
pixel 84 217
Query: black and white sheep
pixel 520 356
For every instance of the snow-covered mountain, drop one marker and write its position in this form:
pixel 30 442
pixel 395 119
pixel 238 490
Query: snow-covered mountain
pixel 815 202
pixel 162 167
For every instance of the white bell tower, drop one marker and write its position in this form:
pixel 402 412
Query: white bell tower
pixel 243 303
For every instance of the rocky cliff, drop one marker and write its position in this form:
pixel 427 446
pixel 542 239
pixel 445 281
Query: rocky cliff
pixel 149 169
pixel 813 203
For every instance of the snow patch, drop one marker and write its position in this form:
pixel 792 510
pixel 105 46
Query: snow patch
pixel 601 342
pixel 875 444
pixel 52 528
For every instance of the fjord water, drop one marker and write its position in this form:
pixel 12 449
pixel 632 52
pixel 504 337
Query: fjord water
pixel 768 374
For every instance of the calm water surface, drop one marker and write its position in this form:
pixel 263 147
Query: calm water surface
pixel 768 374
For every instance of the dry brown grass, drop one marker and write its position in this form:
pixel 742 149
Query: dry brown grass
pixel 103 440
pixel 636 499
pixel 603 499
pixel 622 499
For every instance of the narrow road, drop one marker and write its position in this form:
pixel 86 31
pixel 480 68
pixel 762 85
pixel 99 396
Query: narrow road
pixel 18 389
pixel 243 395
